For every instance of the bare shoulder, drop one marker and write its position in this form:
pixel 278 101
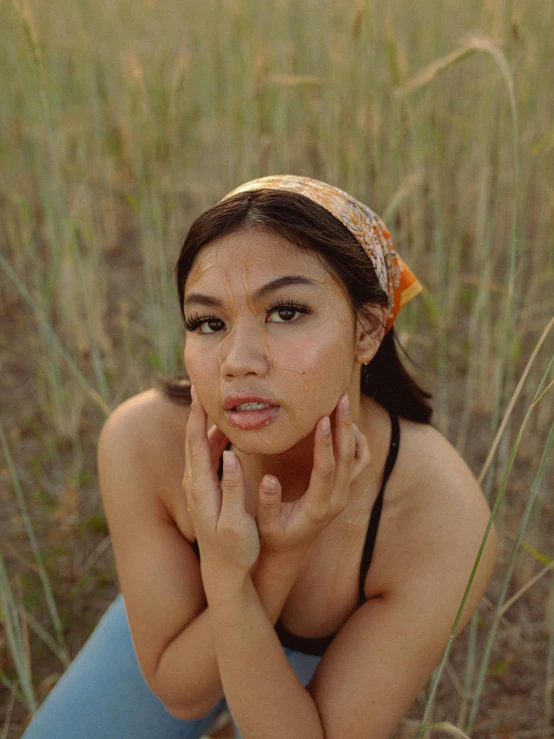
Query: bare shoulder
pixel 434 524
pixel 432 458
pixel 154 562
pixel 441 511
pixel 439 476
pixel 151 416
pixel 156 428
pixel 151 406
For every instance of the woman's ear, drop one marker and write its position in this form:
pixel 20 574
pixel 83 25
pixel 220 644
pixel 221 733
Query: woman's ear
pixel 370 327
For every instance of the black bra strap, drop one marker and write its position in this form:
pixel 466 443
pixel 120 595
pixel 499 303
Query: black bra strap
pixel 378 505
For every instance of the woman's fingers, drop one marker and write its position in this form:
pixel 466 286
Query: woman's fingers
pixel 217 441
pixel 323 472
pixel 233 486
pixel 198 456
pixel 345 441
pixel 330 480
pixel 196 431
pixel 269 504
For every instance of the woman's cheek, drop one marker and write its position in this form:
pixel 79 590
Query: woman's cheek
pixel 198 369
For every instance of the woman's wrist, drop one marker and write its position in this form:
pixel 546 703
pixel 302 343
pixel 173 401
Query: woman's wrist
pixel 222 584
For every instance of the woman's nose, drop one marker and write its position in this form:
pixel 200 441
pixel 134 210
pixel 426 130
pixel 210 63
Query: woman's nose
pixel 245 350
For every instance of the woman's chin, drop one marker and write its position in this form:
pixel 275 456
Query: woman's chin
pixel 253 444
pixel 263 442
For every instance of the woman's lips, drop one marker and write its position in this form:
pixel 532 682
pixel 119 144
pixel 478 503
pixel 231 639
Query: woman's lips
pixel 248 420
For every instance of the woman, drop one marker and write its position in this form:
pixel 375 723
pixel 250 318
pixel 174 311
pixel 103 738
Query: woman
pixel 260 597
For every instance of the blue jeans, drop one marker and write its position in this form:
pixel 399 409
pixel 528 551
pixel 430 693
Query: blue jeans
pixel 103 695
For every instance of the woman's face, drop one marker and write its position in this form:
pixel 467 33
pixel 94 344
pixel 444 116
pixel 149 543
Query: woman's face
pixel 240 340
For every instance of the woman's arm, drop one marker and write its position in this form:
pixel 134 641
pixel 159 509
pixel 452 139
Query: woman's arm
pixel 386 651
pixel 257 679
pixel 264 694
pixel 188 668
pixel 158 572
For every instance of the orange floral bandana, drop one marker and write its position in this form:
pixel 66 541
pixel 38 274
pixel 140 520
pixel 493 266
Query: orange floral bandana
pixel 394 275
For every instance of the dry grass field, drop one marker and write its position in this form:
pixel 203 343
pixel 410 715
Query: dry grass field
pixel 121 122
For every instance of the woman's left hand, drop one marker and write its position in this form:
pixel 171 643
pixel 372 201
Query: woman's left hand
pixel 288 530
pixel 227 534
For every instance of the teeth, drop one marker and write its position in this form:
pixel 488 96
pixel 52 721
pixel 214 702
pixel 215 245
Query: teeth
pixel 251 407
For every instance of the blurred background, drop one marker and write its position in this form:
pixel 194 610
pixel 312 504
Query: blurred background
pixel 120 122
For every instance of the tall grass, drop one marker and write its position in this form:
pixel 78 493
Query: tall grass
pixel 120 122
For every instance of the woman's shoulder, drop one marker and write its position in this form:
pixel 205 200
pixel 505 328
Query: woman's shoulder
pixel 151 411
pixel 436 468
pixel 427 464
pixel 439 506
pixel 153 428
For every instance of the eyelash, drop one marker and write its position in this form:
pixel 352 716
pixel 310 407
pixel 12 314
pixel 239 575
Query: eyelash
pixel 196 320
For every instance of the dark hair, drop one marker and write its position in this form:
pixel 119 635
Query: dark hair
pixel 305 223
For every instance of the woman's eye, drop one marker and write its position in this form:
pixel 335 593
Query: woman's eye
pixel 290 311
pixel 207 322
pixel 289 308
pixel 198 323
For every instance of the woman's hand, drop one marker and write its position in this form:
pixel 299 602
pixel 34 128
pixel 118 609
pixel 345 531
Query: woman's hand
pixel 290 528
pixel 227 534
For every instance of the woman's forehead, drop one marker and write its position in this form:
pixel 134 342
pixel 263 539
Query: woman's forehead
pixel 255 254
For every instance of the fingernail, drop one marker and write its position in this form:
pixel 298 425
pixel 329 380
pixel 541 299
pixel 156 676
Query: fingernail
pixel 269 485
pixel 193 393
pixel 346 404
pixel 326 426
pixel 229 462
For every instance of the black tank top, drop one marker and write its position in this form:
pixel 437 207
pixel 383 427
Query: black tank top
pixel 318 646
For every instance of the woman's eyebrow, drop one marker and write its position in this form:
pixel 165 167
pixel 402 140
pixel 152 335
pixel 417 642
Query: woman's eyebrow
pixel 261 292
